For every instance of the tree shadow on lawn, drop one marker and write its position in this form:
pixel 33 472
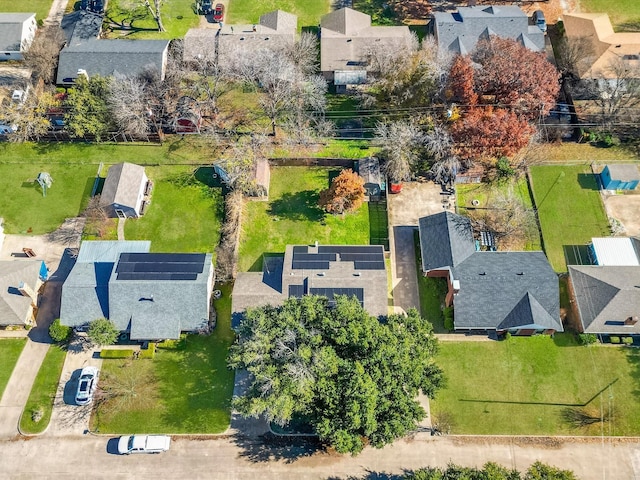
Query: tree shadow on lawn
pixel 633 357
pixel 270 447
pixel 298 206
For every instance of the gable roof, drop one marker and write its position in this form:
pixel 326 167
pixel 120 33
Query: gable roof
pixel 11 30
pixel 606 296
pixel 123 185
pixel 460 31
pixel 607 45
pixel 13 305
pixel 280 21
pixel 446 240
pixel 345 21
pixel 507 290
pixel 108 57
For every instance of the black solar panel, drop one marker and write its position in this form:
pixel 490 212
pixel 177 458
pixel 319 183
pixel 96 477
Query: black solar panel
pixel 310 265
pixel 331 257
pixel 300 249
pixel 156 276
pixel 160 266
pixel 369 265
pixel 296 291
pixel 163 257
pixel 349 249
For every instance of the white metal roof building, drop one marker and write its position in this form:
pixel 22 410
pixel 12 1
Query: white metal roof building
pixel 615 251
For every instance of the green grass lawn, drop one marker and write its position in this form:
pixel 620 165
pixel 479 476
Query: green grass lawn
pixel 43 391
pixel 432 292
pixel 569 209
pixel 249 11
pixel 185 213
pixel 291 216
pixel 178 16
pixel 524 386
pixel 485 193
pixel 39 7
pixel 624 14
pixel 189 388
pixel 10 350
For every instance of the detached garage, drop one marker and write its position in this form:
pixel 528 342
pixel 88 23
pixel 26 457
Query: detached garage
pixel 620 177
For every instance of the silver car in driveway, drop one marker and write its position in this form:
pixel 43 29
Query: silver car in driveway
pixel 143 444
pixel 87 384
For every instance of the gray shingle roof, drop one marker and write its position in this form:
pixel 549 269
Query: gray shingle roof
pixel 13 305
pixel 446 239
pixel 606 296
pixel 107 57
pixel 87 27
pixel 85 292
pixel 124 185
pixel 507 290
pixel 626 172
pixel 280 21
pixel 11 30
pixel 460 31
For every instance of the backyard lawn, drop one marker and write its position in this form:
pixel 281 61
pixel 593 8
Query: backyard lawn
pixel 39 7
pixel 249 11
pixel 185 212
pixel 185 389
pixel 528 386
pixel 432 292
pixel 569 209
pixel 10 350
pixel 178 16
pixel 291 216
pixel 624 14
pixel 43 392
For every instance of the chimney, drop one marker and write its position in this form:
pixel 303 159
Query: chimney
pixel 630 321
pixel 27 291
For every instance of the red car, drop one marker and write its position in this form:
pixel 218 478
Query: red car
pixel 218 13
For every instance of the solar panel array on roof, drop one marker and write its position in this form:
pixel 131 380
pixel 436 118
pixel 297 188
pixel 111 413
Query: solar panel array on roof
pixel 309 265
pixel 331 293
pixel 160 266
pixel 365 257
pixel 350 249
pixel 296 291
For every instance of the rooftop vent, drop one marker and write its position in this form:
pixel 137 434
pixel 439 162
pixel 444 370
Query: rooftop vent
pixel 146 299
pixel 520 273
pixel 630 321
pixel 357 274
pixel 482 273
pixel 321 274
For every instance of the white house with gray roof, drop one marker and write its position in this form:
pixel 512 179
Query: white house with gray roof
pixel 150 296
pixel 124 191
pixel 460 31
pixel 110 57
pixel 17 31
pixel 20 281
pixel 515 292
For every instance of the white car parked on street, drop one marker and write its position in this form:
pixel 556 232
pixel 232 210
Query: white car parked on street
pixel 143 444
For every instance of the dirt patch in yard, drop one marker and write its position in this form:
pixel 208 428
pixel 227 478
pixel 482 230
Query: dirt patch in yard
pixel 625 209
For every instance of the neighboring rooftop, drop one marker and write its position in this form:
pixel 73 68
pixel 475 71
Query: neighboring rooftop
pixel 13 304
pixel 608 298
pixel 446 240
pixel 122 185
pixel 624 171
pixel 616 251
pixel 11 30
pixel 87 27
pixel 608 46
pixel 460 31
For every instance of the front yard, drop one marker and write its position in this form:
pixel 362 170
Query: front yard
pixel 185 389
pixel 185 212
pixel 292 216
pixel 10 350
pixel 178 16
pixel 569 207
pixel 529 386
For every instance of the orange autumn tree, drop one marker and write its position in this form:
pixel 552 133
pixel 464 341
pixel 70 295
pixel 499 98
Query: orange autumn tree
pixel 345 194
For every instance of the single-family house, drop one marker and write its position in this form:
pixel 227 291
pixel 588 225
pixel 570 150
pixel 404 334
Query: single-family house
pixel 274 30
pixel 150 296
pixel 17 31
pixel 490 291
pixel 620 177
pixel 111 57
pixel 20 282
pixel 126 191
pixel 607 46
pixel 460 31
pixel 346 37
pixel 326 270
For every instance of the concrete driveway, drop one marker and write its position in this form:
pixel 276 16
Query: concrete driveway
pixel 625 209
pixel 416 200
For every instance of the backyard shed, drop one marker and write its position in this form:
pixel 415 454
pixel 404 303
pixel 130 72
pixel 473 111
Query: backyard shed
pixel 620 177
pixel 125 192
pixel 188 118
pixel 369 171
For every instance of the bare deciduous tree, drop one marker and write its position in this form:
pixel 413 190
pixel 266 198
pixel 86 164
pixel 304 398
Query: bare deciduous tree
pixel 155 12
pixel 42 56
pixel 128 104
pixel 29 116
pixel 402 143
pixel 574 56
pixel 506 217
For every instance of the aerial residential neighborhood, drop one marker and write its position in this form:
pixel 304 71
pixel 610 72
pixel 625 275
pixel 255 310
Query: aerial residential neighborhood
pixel 323 240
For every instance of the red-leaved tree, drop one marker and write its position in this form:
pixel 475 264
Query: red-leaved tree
pixel 460 84
pixel 490 132
pixel 345 194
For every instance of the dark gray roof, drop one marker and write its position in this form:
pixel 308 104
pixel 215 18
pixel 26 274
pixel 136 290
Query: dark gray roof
pixel 85 292
pixel 124 185
pixel 11 30
pixel 107 57
pixel 606 296
pixel 13 305
pixel 161 308
pixel 446 239
pixel 507 290
pixel 626 172
pixel 460 31
pixel 369 170
pixel 87 27
pixel 307 268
